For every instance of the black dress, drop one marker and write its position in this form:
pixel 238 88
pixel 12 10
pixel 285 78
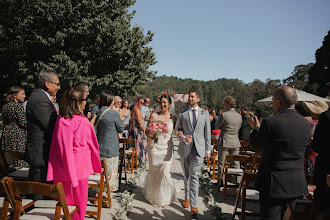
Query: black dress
pixel 14 133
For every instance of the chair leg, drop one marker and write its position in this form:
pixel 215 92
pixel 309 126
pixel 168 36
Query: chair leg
pixel 120 170
pixel 213 168
pixel 225 187
pixel 243 203
pixel 125 169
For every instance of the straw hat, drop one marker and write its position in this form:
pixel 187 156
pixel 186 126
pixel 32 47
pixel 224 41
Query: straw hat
pixel 316 107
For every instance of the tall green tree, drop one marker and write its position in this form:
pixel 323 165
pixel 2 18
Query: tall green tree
pixel 88 40
pixel 299 76
pixel 319 74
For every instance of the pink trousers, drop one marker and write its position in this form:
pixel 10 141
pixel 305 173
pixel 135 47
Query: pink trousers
pixel 76 196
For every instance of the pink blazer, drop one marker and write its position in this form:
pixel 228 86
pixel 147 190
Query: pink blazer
pixel 74 152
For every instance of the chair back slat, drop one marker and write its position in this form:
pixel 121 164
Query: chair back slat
pixel 12 155
pixel 127 141
pixel 240 158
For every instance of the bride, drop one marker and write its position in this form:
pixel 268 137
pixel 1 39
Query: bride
pixel 159 189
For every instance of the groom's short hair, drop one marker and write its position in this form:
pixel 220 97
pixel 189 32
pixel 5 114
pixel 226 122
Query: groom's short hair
pixel 191 90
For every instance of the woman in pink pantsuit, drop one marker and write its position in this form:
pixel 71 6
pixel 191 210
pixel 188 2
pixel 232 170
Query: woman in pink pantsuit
pixel 74 152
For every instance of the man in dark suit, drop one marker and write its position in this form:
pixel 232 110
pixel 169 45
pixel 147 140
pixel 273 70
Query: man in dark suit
pixel 283 139
pixel 41 117
pixel 245 130
pixel 321 145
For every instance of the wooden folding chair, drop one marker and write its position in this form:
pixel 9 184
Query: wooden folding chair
pixel 122 165
pixel 245 194
pixel 213 143
pixel 214 157
pixel 20 174
pixel 226 172
pixel 246 148
pixel 97 181
pixel 61 210
pixel 8 199
pixel 130 152
pixel 256 158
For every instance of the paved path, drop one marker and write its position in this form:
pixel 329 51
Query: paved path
pixel 142 210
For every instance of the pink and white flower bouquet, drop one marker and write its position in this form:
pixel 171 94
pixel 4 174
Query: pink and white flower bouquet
pixel 157 128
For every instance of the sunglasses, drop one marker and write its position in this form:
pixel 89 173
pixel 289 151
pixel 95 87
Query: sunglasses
pixel 55 83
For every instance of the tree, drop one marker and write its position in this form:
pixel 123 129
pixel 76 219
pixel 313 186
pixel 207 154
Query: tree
pixel 90 41
pixel 299 76
pixel 319 74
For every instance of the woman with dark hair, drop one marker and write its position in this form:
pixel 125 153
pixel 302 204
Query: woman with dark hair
pixel 74 152
pixel 15 125
pixel 137 131
pixel 159 189
pixel 108 124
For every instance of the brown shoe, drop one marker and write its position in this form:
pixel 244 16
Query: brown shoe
pixel 186 203
pixel 194 212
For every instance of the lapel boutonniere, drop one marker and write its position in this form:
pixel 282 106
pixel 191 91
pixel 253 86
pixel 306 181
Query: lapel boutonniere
pixel 203 111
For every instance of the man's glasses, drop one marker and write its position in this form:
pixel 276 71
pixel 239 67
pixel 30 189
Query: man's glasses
pixel 55 83
pixel 86 90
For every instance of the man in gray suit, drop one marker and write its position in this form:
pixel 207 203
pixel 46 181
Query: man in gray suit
pixel 228 143
pixel 195 144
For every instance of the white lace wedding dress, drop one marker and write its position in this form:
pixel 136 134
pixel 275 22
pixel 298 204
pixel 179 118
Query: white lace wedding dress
pixel 158 187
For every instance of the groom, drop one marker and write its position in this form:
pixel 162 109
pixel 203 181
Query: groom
pixel 195 144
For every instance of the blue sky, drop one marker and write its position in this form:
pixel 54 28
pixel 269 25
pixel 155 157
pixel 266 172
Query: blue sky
pixel 243 39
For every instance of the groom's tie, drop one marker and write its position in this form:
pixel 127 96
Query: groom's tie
pixel 194 118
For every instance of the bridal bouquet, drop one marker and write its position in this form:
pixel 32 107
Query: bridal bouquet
pixel 155 128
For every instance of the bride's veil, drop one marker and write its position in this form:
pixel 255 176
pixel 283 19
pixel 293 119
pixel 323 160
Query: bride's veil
pixel 172 107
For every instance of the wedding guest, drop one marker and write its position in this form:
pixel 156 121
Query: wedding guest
pixel 214 132
pixel 96 108
pixel 146 111
pixel 315 109
pixel 320 144
pixel 14 133
pixel 310 155
pixel 41 117
pixel 74 153
pixel 84 87
pixel 245 130
pixel 108 124
pixel 137 131
pixel 283 139
pixel 228 143
pixel 53 97
pixel 259 115
pixel 117 103
pixel 127 115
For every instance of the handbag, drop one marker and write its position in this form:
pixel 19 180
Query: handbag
pixel 98 120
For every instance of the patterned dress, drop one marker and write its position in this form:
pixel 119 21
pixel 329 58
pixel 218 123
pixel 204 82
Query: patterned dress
pixel 15 130
pixel 135 132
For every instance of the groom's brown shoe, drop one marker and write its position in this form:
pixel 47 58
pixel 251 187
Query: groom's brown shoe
pixel 186 203
pixel 194 212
